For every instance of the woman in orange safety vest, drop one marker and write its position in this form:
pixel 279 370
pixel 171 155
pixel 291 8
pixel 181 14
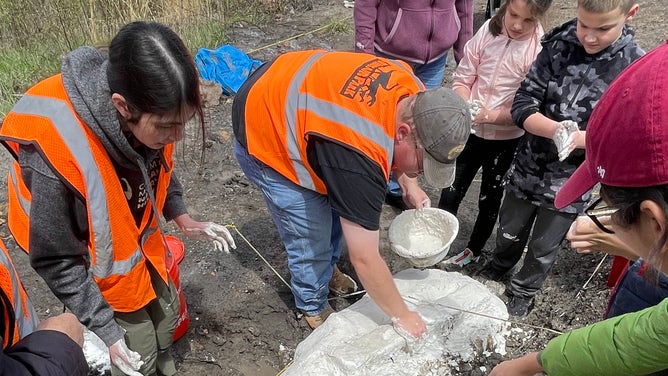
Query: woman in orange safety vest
pixel 92 179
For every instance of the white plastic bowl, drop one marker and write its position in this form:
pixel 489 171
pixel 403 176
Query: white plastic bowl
pixel 423 237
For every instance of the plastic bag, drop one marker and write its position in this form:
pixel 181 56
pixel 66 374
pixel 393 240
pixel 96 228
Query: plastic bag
pixel 226 65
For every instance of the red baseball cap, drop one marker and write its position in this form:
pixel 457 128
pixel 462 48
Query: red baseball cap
pixel 627 134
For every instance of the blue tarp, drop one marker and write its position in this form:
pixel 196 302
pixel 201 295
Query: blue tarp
pixel 226 65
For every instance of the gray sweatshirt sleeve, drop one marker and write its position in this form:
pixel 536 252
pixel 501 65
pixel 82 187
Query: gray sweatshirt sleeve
pixel 174 205
pixel 58 251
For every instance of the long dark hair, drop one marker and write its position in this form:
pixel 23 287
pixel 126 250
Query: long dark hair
pixel 150 66
pixel 537 8
pixel 628 201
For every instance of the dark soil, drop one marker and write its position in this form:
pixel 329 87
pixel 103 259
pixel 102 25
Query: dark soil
pixel 243 319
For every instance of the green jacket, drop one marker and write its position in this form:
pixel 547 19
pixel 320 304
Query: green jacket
pixel 631 344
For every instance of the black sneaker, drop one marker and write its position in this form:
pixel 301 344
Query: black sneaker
pixel 489 272
pixel 395 202
pixel 520 306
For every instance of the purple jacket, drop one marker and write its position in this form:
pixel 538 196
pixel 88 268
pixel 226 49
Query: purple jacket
pixel 417 31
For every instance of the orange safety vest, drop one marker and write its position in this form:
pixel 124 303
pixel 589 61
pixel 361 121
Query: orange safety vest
pixel 347 97
pixel 20 318
pixel 119 250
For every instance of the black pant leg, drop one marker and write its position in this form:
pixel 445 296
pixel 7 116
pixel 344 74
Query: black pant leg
pixel 497 158
pixel 549 231
pixel 467 165
pixel 515 221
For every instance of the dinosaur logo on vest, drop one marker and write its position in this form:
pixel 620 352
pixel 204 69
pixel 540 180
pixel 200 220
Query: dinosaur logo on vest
pixel 367 79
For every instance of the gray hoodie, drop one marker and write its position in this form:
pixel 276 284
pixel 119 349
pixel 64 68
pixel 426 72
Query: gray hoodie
pixel 59 222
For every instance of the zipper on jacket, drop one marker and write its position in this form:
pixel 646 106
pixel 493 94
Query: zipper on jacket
pixel 570 102
pixel 498 62
pixel 431 32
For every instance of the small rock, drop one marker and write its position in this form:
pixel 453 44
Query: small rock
pixel 218 340
pixel 196 346
pixel 210 92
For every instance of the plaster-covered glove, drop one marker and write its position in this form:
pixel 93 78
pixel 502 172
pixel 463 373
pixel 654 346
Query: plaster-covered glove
pixel 125 359
pixel 218 234
pixel 414 329
pixel 475 106
pixel 564 138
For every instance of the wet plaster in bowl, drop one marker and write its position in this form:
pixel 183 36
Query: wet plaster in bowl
pixel 423 237
pixel 360 340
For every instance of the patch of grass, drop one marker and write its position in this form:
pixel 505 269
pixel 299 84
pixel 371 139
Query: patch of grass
pixel 36 34
pixel 21 67
pixel 339 26
pixel 207 35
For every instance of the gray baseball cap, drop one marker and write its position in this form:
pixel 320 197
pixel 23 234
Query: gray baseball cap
pixel 443 124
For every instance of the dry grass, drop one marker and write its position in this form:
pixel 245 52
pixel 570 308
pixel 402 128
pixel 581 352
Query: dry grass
pixel 95 21
pixel 36 34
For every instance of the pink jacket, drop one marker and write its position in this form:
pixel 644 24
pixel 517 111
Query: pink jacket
pixel 492 68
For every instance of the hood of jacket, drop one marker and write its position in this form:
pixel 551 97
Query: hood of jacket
pixel 84 73
pixel 565 37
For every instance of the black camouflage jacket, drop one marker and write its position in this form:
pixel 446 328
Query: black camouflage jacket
pixel 564 83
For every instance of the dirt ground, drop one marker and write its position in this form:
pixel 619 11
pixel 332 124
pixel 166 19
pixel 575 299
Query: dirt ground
pixel 243 319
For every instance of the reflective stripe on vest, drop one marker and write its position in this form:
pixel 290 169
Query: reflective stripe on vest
pixel 24 202
pixel 329 111
pixel 291 118
pixel 24 313
pixel 67 126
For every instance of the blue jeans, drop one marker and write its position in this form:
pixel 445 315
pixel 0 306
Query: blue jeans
pixel 431 75
pixel 307 225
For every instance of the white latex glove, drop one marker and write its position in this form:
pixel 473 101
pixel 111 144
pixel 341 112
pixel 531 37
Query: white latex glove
pixel 564 138
pixel 125 359
pixel 475 106
pixel 218 234
pixel 413 329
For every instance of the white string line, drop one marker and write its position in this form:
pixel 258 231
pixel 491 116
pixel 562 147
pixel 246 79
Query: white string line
pixel 408 299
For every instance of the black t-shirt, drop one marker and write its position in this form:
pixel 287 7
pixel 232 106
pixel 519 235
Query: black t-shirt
pixel 134 186
pixel 355 183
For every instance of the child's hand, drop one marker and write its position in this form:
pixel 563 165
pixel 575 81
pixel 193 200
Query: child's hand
pixel 480 114
pixel 564 138
pixel 475 107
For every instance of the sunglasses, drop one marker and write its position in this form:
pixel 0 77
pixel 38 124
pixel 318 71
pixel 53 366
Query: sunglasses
pixel 599 209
